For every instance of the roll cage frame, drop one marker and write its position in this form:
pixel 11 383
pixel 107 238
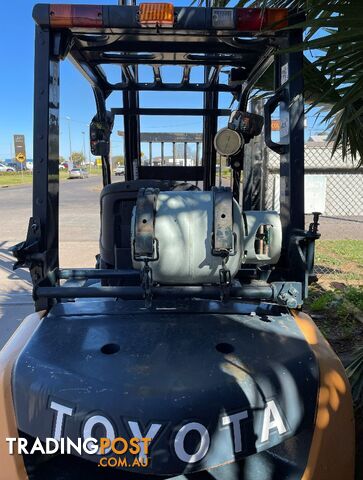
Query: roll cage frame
pixel 192 41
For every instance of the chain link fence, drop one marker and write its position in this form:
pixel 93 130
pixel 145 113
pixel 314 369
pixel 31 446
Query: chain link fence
pixel 332 187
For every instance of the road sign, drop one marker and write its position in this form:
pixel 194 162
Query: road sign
pixel 275 125
pixel 19 144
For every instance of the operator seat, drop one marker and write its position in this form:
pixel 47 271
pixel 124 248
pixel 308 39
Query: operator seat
pixel 117 202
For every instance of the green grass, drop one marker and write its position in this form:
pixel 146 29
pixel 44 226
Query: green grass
pixel 17 178
pixel 338 302
pixel 339 251
pixel 322 302
pixel 342 302
pixel 339 306
pixel 355 296
pixel 346 256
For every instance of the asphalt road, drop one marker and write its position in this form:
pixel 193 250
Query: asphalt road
pixel 79 233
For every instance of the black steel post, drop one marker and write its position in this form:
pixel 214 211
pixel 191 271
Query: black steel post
pixel 131 128
pixel 131 122
pixel 210 125
pixel 135 122
pixel 290 74
pixel 46 159
pixel 129 174
pixel 253 166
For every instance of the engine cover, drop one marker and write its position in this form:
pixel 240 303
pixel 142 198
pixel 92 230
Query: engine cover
pixel 211 383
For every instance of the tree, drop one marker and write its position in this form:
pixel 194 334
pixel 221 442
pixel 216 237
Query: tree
pixel 334 77
pixel 77 158
pixel 61 159
pixel 117 159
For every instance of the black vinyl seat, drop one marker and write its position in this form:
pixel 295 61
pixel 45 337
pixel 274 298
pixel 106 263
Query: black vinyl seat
pixel 117 202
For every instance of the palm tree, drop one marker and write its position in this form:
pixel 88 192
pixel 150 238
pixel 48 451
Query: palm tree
pixel 334 76
pixel 355 374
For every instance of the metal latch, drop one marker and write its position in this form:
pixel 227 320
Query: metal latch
pixel 146 246
pixel 28 252
pixel 223 238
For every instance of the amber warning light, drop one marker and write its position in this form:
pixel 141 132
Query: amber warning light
pixel 156 14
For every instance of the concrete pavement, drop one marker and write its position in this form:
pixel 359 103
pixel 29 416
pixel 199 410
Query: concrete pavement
pixel 15 296
pixel 79 232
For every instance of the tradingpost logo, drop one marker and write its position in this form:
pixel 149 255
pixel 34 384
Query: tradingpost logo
pixel 118 452
pixel 124 453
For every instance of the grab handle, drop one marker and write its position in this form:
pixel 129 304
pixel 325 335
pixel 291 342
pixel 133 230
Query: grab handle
pixel 270 107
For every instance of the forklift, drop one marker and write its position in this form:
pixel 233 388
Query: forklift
pixel 187 342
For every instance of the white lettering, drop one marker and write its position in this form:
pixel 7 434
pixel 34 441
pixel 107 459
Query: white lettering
pixel 48 447
pixel 22 444
pixel 271 419
pixel 203 447
pixel 37 447
pixel 77 447
pixel 95 420
pixel 151 433
pixel 59 419
pixel 11 441
pixel 235 420
pixel 94 446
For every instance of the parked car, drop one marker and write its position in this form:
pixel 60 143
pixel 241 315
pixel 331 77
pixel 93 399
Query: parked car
pixel 78 173
pixel 16 166
pixel 6 168
pixel 120 170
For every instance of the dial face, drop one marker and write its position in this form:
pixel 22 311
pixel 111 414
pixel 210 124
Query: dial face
pixel 227 142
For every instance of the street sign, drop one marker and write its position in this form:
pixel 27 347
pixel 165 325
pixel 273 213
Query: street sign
pixel 275 125
pixel 19 145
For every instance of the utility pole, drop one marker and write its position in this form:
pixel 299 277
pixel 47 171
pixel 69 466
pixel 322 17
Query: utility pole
pixel 70 139
pixel 84 146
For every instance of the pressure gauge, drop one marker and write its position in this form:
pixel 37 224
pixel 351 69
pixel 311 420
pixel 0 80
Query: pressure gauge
pixel 228 142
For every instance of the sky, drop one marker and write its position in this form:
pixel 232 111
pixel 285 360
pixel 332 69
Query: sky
pixel 76 102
